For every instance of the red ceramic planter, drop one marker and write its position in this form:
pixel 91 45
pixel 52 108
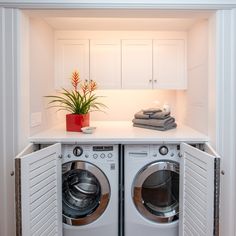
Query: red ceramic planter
pixel 74 122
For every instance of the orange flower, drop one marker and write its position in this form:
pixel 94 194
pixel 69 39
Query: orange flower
pixel 92 86
pixel 85 86
pixel 78 100
pixel 75 79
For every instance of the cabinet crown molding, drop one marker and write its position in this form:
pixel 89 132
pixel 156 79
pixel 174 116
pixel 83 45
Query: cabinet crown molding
pixel 161 4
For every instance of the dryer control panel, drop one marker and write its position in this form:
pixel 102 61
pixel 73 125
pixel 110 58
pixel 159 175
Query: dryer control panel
pixel 154 151
pixel 165 151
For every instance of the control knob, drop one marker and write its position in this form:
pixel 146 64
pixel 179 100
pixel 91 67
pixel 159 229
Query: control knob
pixel 78 151
pixel 102 155
pixel 163 150
pixel 95 156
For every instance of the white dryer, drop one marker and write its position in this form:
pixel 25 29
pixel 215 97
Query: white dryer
pixel 90 190
pixel 151 190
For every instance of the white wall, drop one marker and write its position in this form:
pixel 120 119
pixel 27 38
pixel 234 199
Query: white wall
pixel 193 103
pixel 41 72
pixel 122 104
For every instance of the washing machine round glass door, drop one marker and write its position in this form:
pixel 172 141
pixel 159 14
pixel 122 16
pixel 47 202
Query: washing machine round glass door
pixel 85 192
pixel 155 191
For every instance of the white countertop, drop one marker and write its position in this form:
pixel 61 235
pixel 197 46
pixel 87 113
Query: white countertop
pixel 119 132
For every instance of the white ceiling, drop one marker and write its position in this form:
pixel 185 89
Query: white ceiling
pixel 72 23
pixel 119 19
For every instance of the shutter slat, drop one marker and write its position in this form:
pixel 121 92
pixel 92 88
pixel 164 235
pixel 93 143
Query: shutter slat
pixel 201 180
pixel 37 179
pixel 36 198
pixel 190 185
pixel 37 210
pixel 194 200
pixel 41 170
pixel 42 161
pixel 41 214
pixel 200 219
pixel 45 224
pixel 43 182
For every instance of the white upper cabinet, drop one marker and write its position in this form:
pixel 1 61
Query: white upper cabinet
pixel 169 65
pixel 136 64
pixel 127 64
pixel 71 55
pixel 105 63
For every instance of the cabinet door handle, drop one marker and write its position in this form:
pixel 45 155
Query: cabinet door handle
pixel 150 80
pixel 155 80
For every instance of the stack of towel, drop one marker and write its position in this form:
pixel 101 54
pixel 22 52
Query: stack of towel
pixel 154 118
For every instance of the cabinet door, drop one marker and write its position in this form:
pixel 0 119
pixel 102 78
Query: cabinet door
pixel 71 55
pixel 199 191
pixel 38 191
pixel 169 66
pixel 105 63
pixel 137 64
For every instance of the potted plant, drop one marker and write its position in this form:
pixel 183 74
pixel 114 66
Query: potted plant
pixel 78 102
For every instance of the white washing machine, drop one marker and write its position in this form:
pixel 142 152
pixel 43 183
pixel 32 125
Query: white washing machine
pixel 90 190
pixel 151 190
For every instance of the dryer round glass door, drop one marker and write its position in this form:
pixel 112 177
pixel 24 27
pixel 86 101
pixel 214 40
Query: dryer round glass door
pixel 156 191
pixel 85 193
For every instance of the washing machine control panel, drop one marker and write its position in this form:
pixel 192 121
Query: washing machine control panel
pixel 103 153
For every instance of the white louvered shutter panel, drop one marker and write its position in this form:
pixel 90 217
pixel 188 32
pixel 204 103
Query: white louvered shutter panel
pixel 39 192
pixel 199 192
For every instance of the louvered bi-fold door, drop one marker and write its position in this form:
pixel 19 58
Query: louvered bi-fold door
pixel 199 191
pixel 38 191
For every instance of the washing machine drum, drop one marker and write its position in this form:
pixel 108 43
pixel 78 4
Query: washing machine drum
pixel 156 191
pixel 85 193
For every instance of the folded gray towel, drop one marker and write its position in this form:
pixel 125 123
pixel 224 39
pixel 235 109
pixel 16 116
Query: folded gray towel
pixel 140 115
pixel 150 111
pixel 168 127
pixel 154 122
pixel 160 115
pixel 154 115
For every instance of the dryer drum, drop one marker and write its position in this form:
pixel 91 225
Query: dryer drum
pixel 86 188
pixel 156 191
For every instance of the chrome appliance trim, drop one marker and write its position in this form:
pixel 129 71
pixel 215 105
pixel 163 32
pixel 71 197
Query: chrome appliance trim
pixel 141 176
